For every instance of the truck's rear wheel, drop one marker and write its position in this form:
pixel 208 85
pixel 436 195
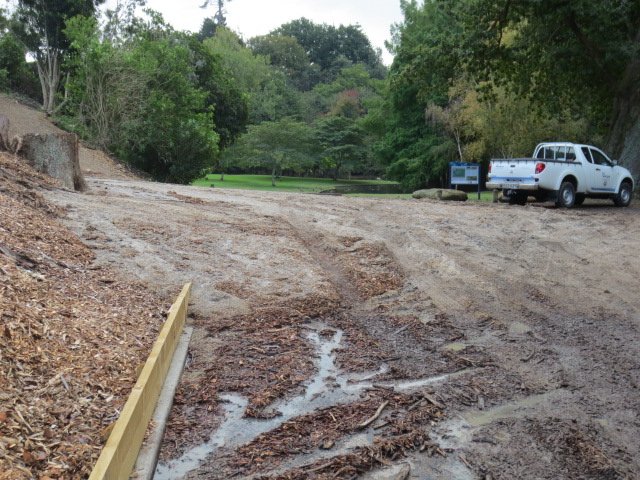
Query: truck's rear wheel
pixel 623 197
pixel 566 195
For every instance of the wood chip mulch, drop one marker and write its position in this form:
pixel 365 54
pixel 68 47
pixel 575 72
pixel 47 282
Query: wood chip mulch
pixel 263 356
pixel 402 427
pixel 73 337
pixel 370 266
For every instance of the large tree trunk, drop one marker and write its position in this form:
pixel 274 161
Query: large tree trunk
pixel 48 63
pixel 56 154
pixel 624 137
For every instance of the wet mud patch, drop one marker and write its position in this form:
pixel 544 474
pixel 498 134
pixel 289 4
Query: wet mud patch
pixel 483 388
pixel 403 415
pixel 263 356
pixel 341 420
pixel 570 450
pixel 412 348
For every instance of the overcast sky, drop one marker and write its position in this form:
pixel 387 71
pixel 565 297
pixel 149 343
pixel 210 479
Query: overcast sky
pixel 258 17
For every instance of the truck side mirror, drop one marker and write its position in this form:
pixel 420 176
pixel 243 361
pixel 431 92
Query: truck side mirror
pixel 615 162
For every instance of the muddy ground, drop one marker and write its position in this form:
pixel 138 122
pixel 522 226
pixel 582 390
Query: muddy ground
pixel 345 337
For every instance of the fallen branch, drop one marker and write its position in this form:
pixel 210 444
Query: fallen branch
pixel 321 467
pixel 432 400
pixel 375 416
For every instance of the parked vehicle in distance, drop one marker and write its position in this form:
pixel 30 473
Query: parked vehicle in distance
pixel 561 171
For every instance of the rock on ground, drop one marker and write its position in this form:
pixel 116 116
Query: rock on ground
pixel 441 194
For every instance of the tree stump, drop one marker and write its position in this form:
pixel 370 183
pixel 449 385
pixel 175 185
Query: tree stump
pixel 55 154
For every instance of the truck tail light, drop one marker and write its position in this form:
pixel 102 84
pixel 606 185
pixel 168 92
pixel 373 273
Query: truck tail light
pixel 540 167
pixel 489 167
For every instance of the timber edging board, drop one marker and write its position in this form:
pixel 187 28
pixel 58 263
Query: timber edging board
pixel 119 454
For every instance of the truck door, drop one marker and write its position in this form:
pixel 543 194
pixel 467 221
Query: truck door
pixel 593 173
pixel 604 172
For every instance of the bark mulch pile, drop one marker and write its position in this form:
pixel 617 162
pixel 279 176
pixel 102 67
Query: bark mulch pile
pixel 72 337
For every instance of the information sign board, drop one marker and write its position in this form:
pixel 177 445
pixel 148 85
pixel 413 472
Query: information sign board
pixel 464 173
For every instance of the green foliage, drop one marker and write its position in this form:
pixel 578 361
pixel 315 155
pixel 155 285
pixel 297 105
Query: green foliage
pixel 208 29
pixel 509 125
pixel 274 146
pixel 556 50
pixel 269 96
pixel 342 143
pixel 224 96
pixel 175 139
pixel 353 88
pixel 142 99
pixel 333 48
pixel 41 22
pixel 286 54
pixel 18 74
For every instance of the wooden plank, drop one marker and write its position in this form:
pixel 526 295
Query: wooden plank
pixel 119 454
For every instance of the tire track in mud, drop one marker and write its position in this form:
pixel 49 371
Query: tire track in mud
pixel 345 261
pixel 363 329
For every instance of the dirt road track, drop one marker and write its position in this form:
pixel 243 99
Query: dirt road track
pixel 519 326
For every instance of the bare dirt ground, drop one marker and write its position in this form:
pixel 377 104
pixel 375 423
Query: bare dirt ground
pixel 27 120
pixel 346 337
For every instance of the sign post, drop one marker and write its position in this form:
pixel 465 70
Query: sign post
pixel 463 173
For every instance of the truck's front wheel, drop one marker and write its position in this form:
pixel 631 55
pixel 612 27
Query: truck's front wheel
pixel 566 195
pixel 623 197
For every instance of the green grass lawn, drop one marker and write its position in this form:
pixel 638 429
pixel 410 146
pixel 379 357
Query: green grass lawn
pixel 308 185
pixel 284 184
pixel 403 196
pixel 486 196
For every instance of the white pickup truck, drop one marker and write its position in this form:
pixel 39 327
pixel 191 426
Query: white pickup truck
pixel 565 172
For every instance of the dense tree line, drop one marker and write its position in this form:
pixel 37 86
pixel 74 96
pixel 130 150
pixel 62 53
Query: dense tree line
pixel 476 78
pixel 471 79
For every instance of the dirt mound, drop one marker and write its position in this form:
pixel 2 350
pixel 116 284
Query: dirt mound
pixel 28 120
pixel 71 336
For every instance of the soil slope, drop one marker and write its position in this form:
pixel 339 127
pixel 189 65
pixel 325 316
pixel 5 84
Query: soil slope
pixel 28 120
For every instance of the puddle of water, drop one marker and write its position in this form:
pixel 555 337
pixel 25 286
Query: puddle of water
pixel 234 410
pixel 457 433
pixel 401 385
pixel 327 388
pixel 518 408
pixel 237 430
